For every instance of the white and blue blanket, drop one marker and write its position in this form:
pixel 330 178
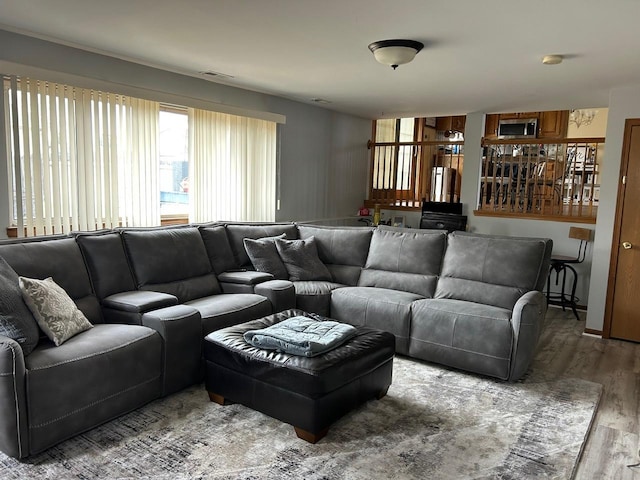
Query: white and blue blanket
pixel 301 336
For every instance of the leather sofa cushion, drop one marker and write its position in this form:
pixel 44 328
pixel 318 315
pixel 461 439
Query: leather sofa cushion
pixel 492 270
pixel 403 260
pixel 107 263
pixel 223 310
pixel 340 245
pixel 462 334
pixel 384 309
pixel 61 259
pixel 237 232
pixel 218 248
pixel 172 261
pixel 105 371
pixel 315 296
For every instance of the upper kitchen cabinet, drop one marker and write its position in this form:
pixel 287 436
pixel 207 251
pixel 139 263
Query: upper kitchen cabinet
pixel 491 125
pixel 553 124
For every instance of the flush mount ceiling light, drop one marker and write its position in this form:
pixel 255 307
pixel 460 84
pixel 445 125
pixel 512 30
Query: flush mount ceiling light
pixel 552 59
pixel 395 52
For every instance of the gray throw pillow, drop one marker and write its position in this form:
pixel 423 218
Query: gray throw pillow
pixel 300 258
pixel 53 309
pixel 16 320
pixel 264 256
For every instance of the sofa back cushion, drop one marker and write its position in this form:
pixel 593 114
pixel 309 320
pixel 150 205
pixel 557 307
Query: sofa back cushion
pixel 61 259
pixel 172 260
pixel 237 232
pixel 106 262
pixel 216 242
pixel 404 260
pixel 343 250
pixel 493 270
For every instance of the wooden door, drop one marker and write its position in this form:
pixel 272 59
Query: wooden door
pixel 622 317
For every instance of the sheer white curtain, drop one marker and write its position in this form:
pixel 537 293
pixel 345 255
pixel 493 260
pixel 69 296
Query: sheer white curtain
pixel 232 169
pixel 81 159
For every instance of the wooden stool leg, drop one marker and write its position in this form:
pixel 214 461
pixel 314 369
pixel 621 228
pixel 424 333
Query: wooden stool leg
pixel 310 437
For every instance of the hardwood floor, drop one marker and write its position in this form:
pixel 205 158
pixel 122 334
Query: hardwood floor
pixel 614 441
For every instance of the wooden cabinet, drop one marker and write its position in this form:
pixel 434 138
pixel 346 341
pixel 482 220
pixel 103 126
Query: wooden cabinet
pixel 553 124
pixel 491 125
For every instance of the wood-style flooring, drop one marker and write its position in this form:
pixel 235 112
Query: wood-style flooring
pixel 614 441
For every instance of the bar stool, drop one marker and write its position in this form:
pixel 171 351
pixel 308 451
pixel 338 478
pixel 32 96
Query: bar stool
pixel 561 264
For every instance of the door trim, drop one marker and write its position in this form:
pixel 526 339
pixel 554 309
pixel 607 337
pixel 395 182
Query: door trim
pixel 617 226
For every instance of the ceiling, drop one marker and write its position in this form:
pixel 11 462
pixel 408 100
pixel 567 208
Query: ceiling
pixel 479 56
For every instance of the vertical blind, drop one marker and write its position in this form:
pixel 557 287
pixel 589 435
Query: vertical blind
pixel 83 160
pixel 80 159
pixel 232 167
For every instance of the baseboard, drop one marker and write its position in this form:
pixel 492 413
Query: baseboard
pixel 592 333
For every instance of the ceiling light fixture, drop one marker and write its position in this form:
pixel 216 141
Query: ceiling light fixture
pixel 552 59
pixel 582 117
pixel 395 52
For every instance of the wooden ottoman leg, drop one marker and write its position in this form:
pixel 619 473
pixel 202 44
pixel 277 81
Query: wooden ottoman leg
pixel 382 393
pixel 310 437
pixel 219 399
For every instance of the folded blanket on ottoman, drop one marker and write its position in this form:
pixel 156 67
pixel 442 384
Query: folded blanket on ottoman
pixel 301 336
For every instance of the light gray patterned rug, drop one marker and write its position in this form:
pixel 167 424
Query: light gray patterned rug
pixel 434 424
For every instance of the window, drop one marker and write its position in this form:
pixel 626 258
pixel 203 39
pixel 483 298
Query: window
pixel 413 159
pixel 83 160
pixel 174 161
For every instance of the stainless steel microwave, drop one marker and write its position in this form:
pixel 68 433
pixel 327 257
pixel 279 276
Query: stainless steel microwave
pixel 518 128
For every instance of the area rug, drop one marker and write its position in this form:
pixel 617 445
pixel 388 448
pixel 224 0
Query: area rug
pixel 434 423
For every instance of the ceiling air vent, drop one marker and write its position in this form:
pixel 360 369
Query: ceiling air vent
pixel 219 75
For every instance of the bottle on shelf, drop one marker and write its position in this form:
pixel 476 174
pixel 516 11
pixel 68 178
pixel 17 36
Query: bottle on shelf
pixel 376 214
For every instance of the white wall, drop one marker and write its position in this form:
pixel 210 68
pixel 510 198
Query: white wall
pixel 322 155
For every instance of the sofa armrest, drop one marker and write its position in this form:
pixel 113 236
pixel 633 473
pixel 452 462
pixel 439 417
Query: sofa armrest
pixel 128 307
pixel 527 321
pixel 14 428
pixel 139 301
pixel 281 294
pixel 180 327
pixel 244 277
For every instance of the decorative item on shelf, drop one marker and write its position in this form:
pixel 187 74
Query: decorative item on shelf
pixel 376 214
pixel 582 117
pixel 363 212
pixel 395 52
pixel 398 221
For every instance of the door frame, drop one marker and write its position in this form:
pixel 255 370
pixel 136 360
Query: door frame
pixel 617 226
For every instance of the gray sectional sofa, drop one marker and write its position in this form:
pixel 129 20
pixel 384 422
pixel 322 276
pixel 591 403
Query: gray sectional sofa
pixel 468 301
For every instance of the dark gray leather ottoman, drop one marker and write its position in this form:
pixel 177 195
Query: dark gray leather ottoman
pixel 308 393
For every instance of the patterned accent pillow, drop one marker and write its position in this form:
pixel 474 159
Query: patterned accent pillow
pixel 300 258
pixel 55 312
pixel 264 256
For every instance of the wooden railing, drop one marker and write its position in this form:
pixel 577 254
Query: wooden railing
pixel 553 179
pixel 403 173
